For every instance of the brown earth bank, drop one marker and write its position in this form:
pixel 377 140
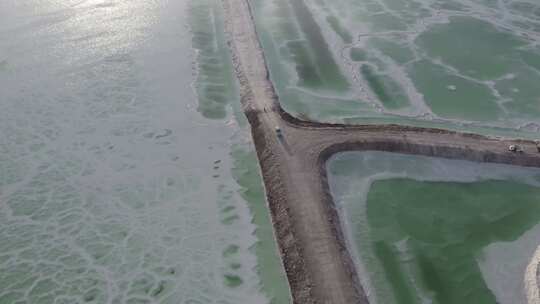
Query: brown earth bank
pixel 293 165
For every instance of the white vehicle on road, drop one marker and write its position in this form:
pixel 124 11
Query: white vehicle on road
pixel 278 131
pixel 515 148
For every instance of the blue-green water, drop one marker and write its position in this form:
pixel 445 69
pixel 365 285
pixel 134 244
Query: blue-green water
pixel 117 183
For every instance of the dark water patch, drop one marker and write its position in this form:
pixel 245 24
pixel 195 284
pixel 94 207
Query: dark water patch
pixel 232 280
pixel 305 67
pixel 215 83
pixel 165 133
pixel 453 96
pixel 402 288
pixel 318 56
pixel 339 29
pixel 397 52
pixel 230 219
pixel 230 250
pixel 158 290
pixel 357 54
pixel 228 208
pixel 91 296
pixel 385 88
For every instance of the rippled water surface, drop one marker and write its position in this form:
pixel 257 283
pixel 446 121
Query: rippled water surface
pixel 459 63
pixel 428 230
pixel 116 184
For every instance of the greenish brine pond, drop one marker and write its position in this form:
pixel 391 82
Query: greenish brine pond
pixel 127 172
pixel 428 230
pixel 422 230
pixel 462 64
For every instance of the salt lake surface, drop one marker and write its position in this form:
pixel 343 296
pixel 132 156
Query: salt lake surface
pixel 126 173
pixel 455 63
pixel 429 230
pixel 118 184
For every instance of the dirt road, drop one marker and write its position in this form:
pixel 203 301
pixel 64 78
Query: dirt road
pixel 312 246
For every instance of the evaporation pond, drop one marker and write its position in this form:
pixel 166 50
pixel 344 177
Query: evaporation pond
pixel 430 230
pixel 430 61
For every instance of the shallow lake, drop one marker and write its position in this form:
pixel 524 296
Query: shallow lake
pixel 127 174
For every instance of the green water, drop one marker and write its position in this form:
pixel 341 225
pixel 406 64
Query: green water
pixel 444 227
pixel 439 231
pixel 451 63
pixel 387 90
pixel 215 83
pixel 315 63
pixel 126 168
pixel 246 173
